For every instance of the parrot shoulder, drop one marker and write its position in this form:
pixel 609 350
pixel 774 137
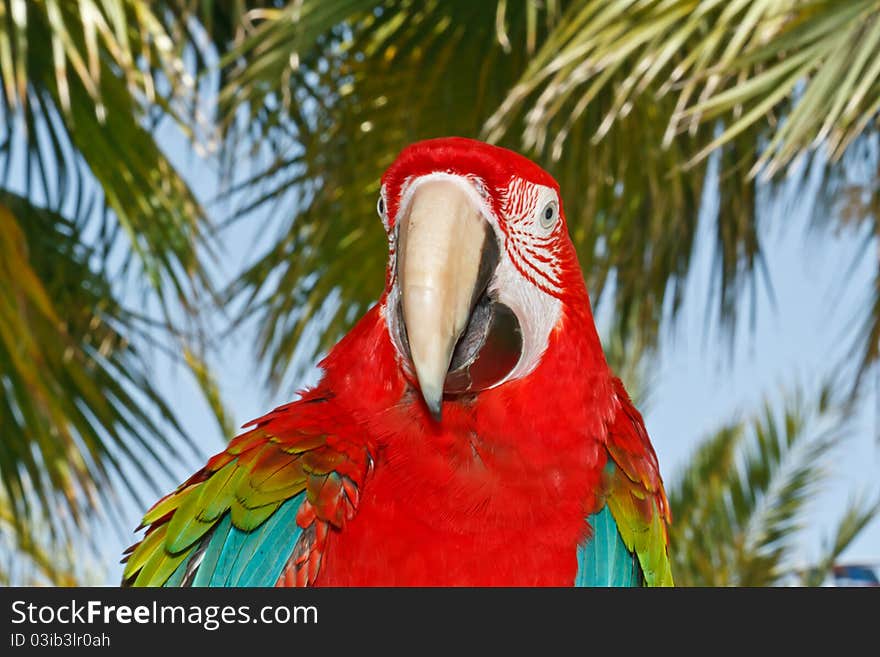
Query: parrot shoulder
pixel 259 512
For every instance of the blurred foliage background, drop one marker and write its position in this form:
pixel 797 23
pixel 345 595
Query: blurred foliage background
pixel 106 254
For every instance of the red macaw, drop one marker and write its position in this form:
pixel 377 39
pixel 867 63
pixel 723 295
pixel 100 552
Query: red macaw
pixel 467 431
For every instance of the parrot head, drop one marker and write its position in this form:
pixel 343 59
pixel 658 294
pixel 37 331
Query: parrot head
pixel 481 267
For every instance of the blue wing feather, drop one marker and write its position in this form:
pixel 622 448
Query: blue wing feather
pixel 212 552
pixel 177 576
pixel 264 559
pixel 234 557
pixel 604 559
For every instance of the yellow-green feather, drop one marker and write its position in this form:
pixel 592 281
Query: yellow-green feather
pixel 641 527
pixel 159 567
pixel 168 504
pixel 247 489
pixel 248 519
pixel 185 526
pixel 152 543
pixel 218 495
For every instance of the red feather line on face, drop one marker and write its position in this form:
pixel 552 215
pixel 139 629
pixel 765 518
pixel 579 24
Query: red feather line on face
pixel 526 249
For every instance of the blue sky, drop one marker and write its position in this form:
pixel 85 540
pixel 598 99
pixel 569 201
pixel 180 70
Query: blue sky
pixel 803 333
pixel 697 385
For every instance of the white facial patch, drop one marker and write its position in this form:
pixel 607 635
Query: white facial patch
pixel 528 275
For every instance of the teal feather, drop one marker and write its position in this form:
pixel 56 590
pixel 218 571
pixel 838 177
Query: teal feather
pixel 228 554
pixel 261 560
pixel 177 576
pixel 234 557
pixel 604 560
pixel 212 552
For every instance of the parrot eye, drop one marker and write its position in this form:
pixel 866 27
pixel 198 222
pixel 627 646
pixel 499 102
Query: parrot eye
pixel 548 214
pixel 380 207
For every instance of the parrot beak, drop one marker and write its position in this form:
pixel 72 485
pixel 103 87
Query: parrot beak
pixel 443 268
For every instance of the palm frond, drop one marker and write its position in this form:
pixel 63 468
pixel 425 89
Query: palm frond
pixel 738 504
pixel 760 84
pixel 859 512
pixel 78 400
pixel 811 64
pixel 31 556
pixel 81 82
pixel 747 63
pixel 92 212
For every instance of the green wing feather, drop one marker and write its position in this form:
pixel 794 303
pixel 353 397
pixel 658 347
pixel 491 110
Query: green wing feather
pixel 641 520
pixel 285 462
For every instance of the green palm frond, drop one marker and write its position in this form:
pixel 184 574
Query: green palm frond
pixel 748 63
pixel 30 555
pixel 93 216
pixel 635 363
pixel 78 401
pixel 859 512
pixel 813 65
pixel 81 82
pixel 760 84
pixel 91 204
pixel 738 505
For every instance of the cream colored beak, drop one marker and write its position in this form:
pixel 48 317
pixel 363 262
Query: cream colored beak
pixel 440 248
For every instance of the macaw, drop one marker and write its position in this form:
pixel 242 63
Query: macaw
pixel 467 431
